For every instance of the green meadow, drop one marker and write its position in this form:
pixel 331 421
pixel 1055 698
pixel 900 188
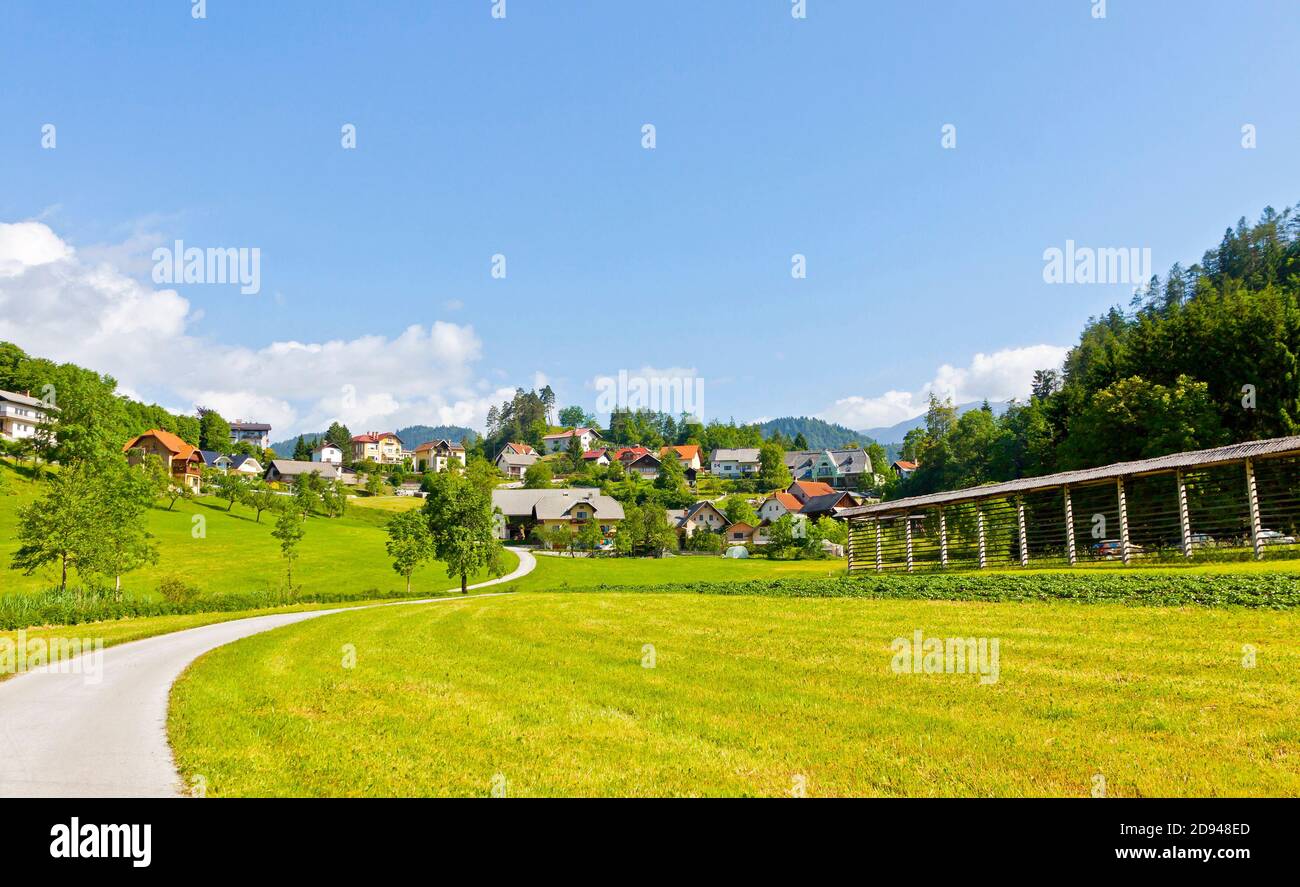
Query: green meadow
pixel 235 554
pixel 661 694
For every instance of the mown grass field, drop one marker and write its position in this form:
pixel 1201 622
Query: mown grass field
pixel 237 554
pixel 747 696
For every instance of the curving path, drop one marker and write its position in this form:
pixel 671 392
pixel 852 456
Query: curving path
pixel 61 736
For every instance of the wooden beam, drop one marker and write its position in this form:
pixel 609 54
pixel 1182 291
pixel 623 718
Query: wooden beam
pixel 880 560
pixel 1024 538
pixel 1184 516
pixel 979 512
pixel 1069 528
pixel 1123 520
pixel 907 519
pixel 943 539
pixel 1252 494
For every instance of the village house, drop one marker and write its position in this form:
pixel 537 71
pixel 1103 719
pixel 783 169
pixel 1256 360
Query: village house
pixel 734 462
pixel 215 461
pixel 288 471
pixel 847 469
pixel 778 505
pixel 739 533
pixel 256 433
pixel 520 449
pixel 437 455
pixel 904 469
pixel 184 461
pixel 646 465
pixel 595 457
pixel 21 415
pixel 382 447
pixel 523 510
pixel 689 457
pixel 806 499
pixel 558 442
pixel 246 465
pixel 687 454
pixel 637 460
pixel 700 516
pixel 513 464
pixel 327 452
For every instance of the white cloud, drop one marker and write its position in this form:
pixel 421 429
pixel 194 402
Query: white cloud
pixel 55 303
pixel 996 377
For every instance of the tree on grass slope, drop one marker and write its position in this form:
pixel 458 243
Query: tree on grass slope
pixel 458 513
pixel 289 529
pixel 409 543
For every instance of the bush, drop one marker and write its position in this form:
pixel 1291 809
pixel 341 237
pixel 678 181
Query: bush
pixel 77 606
pixel 1277 592
pixel 175 590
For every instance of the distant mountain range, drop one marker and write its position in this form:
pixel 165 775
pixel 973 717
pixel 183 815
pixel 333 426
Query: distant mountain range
pixel 821 434
pixel 894 434
pixel 412 436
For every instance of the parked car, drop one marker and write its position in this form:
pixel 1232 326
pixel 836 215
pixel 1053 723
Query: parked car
pixel 1111 549
pixel 1201 540
pixel 1273 537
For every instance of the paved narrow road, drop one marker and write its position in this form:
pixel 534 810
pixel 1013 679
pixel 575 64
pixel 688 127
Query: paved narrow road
pixel 62 736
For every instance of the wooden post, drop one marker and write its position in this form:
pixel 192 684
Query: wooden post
pixel 907 520
pixel 1184 516
pixel 943 539
pixel 1024 539
pixel 1069 529
pixel 848 549
pixel 880 560
pixel 979 511
pixel 1252 493
pixel 1123 520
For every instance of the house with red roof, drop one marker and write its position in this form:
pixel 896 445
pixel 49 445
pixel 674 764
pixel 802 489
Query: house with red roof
pixel 184 461
pixel 383 447
pixel 559 441
pixel 596 457
pixel 645 464
pixel 687 454
pixel 437 455
pixel 778 505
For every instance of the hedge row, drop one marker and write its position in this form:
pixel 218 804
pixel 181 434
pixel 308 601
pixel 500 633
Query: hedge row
pixel 75 606
pixel 1271 591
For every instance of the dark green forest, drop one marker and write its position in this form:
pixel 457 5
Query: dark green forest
pixel 1204 357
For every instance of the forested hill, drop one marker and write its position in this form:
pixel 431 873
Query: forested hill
pixel 1210 355
pixel 818 433
pixel 412 436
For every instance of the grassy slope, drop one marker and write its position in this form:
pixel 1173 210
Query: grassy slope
pixel 238 554
pixel 549 691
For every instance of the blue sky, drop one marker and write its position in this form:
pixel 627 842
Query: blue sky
pixel 522 136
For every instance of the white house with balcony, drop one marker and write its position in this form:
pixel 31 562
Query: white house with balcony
pixel 327 452
pixel 21 415
pixel 734 462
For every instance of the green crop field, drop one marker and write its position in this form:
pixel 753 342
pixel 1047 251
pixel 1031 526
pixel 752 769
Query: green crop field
pixel 549 694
